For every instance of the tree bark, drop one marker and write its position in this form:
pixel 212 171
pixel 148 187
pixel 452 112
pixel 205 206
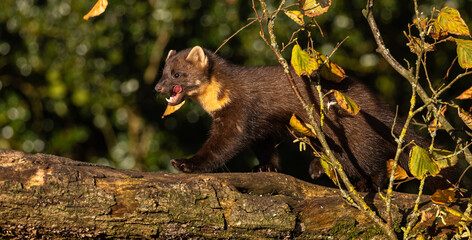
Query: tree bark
pixel 45 196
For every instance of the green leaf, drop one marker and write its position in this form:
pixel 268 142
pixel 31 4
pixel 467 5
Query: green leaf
pixel 464 52
pixel 421 163
pixel 324 160
pixel 346 103
pixel 444 158
pixel 449 19
pixel 302 62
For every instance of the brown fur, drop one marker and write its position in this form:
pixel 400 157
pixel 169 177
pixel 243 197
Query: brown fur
pixel 251 105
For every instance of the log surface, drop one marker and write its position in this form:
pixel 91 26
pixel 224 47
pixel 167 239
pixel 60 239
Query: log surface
pixel 45 196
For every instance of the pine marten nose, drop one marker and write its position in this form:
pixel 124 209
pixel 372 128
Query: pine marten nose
pixel 158 89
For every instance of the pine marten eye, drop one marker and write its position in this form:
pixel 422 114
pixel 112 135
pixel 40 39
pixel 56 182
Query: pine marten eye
pixel 176 75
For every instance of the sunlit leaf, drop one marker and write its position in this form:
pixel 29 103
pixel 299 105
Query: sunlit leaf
pixel 444 158
pixel 296 16
pixel 421 163
pixel 303 128
pixel 436 32
pixel 331 71
pixel 467 94
pixel 400 173
pixel 327 168
pixel 313 8
pixel 449 19
pixel 465 116
pixel 171 109
pixel 445 196
pixel 464 52
pixel 303 62
pixel 346 103
pixel 97 9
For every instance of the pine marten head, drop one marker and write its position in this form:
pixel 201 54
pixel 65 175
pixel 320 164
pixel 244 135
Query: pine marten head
pixel 185 73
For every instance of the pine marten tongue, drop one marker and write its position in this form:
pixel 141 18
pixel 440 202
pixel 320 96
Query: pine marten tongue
pixel 175 95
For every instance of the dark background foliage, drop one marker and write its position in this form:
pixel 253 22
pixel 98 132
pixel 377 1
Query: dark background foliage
pixel 84 89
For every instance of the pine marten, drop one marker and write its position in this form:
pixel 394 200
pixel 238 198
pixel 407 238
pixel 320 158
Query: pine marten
pixel 252 105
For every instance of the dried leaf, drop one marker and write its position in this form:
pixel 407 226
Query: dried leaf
pixel 313 8
pixel 416 47
pixel 435 124
pixel 346 103
pixel 303 128
pixel 465 116
pixel 302 62
pixel 449 19
pixel 464 52
pixel 400 173
pixel 328 169
pixel 467 94
pixel 422 163
pixel 296 16
pixel 97 9
pixel 436 32
pixel 445 196
pixel 171 109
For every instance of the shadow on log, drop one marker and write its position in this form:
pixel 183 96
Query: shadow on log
pixel 45 196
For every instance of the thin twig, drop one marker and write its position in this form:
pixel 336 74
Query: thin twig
pixel 234 34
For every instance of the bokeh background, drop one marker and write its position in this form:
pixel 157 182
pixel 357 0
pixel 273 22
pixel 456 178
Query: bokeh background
pixel 85 89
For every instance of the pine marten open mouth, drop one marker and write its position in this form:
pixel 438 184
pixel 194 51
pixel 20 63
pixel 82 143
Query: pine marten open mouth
pixel 175 95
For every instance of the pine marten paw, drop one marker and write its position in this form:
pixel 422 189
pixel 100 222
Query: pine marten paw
pixel 265 168
pixel 182 165
pixel 316 170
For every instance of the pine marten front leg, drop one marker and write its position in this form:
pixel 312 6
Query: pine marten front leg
pixel 227 138
pixel 267 156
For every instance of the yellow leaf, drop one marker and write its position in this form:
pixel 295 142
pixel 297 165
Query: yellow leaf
pixel 171 109
pixel 445 196
pixel 464 52
pixel 467 94
pixel 400 173
pixel 97 9
pixel 449 19
pixel 303 128
pixel 327 168
pixel 465 116
pixel 422 163
pixel 436 32
pixel 313 8
pixel 346 103
pixel 296 16
pixel 303 63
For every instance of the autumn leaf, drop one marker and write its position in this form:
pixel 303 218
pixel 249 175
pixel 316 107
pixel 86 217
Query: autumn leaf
pixel 416 47
pixel 346 103
pixel 465 116
pixel 467 94
pixel 303 128
pixel 400 173
pixel 329 70
pixel 436 32
pixel 303 62
pixel 97 9
pixel 449 19
pixel 444 158
pixel 435 124
pixel 296 16
pixel 445 196
pixel 327 168
pixel 464 52
pixel 171 109
pixel 313 8
pixel 422 163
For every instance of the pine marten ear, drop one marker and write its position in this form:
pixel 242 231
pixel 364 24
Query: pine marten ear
pixel 197 56
pixel 170 54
